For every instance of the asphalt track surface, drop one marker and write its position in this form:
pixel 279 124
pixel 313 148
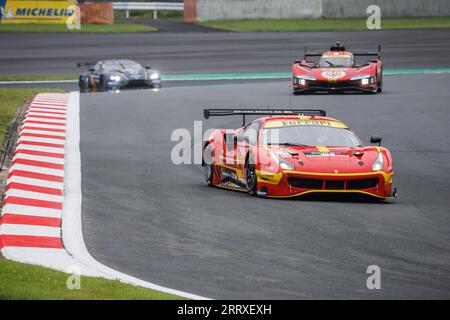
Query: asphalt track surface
pixel 158 221
pixel 214 52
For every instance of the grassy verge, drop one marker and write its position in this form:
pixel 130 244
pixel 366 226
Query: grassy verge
pixel 20 281
pixel 86 28
pixel 10 101
pixel 275 25
pixel 44 77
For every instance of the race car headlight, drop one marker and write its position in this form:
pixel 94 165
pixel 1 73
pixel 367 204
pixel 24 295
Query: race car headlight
pixel 154 76
pixel 377 165
pixel 286 165
pixel 360 77
pixel 114 78
pixel 305 77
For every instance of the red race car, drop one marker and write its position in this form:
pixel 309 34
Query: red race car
pixel 337 70
pixel 290 153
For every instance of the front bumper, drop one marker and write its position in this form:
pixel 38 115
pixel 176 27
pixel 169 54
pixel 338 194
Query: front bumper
pixel 134 84
pixel 287 183
pixel 312 86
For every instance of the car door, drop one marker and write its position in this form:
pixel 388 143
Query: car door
pixel 247 139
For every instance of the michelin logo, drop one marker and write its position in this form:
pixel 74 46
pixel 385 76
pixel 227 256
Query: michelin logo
pixel 46 12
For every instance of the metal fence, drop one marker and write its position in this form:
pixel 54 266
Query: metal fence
pixel 152 6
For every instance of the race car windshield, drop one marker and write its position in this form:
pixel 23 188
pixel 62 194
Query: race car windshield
pixel 331 62
pixel 310 135
pixel 121 66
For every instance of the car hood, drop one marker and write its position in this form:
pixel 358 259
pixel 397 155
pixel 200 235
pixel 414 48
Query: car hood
pixel 131 74
pixel 329 159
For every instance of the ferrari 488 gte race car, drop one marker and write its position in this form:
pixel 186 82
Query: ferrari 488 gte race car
pixel 117 74
pixel 337 70
pixel 290 153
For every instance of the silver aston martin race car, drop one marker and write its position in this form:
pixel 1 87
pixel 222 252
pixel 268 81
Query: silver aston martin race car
pixel 117 74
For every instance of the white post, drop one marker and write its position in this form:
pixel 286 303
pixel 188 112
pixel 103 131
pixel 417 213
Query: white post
pixel 155 15
pixel 127 14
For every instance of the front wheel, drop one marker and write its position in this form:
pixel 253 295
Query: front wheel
pixel 380 85
pixel 82 84
pixel 250 175
pixel 103 85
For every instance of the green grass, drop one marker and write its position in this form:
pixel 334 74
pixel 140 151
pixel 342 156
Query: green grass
pixel 45 77
pixel 274 25
pixel 10 101
pixel 20 281
pixel 88 28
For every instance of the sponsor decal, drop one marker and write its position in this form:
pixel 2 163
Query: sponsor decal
pixel 333 74
pixel 324 154
pixel 334 54
pixel 48 12
pixel 303 122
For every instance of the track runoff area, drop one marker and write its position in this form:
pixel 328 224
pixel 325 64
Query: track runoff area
pixel 159 222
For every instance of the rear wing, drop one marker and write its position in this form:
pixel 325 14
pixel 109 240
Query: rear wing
pixel 207 113
pixel 85 64
pixel 367 54
pixel 338 47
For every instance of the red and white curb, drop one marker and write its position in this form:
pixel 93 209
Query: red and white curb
pixel 41 216
pixel 30 224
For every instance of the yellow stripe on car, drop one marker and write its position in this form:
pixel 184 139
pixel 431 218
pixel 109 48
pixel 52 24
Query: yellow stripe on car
pixel 303 122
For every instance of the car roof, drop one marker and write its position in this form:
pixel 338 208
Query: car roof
pixel 118 61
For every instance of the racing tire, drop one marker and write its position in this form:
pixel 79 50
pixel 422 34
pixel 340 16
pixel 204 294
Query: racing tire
pixel 251 181
pixel 103 85
pixel 380 85
pixel 82 85
pixel 208 169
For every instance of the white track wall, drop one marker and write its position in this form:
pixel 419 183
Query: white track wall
pixel 282 9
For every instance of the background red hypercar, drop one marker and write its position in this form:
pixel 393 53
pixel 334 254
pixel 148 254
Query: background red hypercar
pixel 292 153
pixel 337 70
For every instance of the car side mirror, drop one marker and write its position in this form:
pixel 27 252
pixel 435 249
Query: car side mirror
pixel 148 67
pixel 375 139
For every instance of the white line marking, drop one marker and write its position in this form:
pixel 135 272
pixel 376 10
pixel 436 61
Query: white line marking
pixel 48 115
pixel 55 121
pixel 33 195
pixel 39 148
pixel 36 182
pixel 39 158
pixel 43 111
pixel 30 230
pixel 50 133
pixel 37 139
pixel 31 211
pixel 42 170
pixel 43 126
pixel 48 107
